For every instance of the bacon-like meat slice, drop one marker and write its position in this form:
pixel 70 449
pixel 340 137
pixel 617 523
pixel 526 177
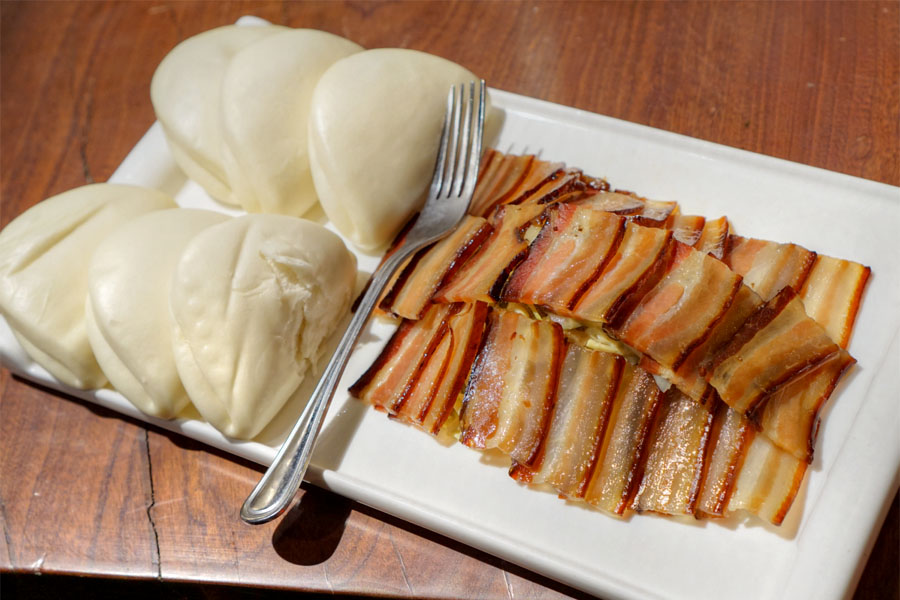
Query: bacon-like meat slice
pixel 707 236
pixel 730 436
pixel 633 266
pixel 680 311
pixel 552 189
pixel 614 202
pixel 687 377
pixel 506 178
pixel 790 416
pixel 499 178
pixel 830 288
pixel 714 238
pixel 431 398
pixel 778 343
pixel 567 255
pixel 397 368
pixel 687 229
pixel 674 466
pixel 587 387
pixel 768 267
pixel 617 473
pixel 510 395
pixel 482 277
pixel 831 295
pixel 649 213
pixel 768 481
pixel 656 213
pixel 411 291
pixel 541 171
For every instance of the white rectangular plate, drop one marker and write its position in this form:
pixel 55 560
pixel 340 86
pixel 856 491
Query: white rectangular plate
pixel 817 553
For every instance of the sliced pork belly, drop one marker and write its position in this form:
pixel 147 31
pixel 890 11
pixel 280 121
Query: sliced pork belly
pixel 634 265
pixel 499 178
pixel 482 277
pixel 431 398
pixel 778 343
pixel 768 267
pixel 674 467
pixel 768 481
pixel 687 229
pixel 614 202
pixel 391 376
pixel 832 293
pixel 618 471
pixel 730 437
pixel 506 179
pixel 656 213
pixel 509 398
pixel 559 184
pixel 411 291
pixel 789 417
pixel 679 312
pixel 586 391
pixel 649 213
pixel 687 377
pixel 714 238
pixel 567 255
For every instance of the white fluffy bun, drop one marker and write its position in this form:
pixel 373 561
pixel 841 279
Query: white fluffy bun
pixel 44 256
pixel 186 92
pixel 127 311
pixel 374 128
pixel 266 93
pixel 252 300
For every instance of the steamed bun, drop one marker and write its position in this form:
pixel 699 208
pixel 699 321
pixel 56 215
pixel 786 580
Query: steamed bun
pixel 127 309
pixel 252 300
pixel 374 127
pixel 44 257
pixel 186 92
pixel 266 93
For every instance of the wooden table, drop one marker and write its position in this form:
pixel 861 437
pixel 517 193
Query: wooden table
pixel 86 492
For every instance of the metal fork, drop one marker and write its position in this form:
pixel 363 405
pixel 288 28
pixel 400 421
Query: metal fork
pixel 452 184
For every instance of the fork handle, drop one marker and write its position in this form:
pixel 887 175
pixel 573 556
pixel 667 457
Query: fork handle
pixel 281 481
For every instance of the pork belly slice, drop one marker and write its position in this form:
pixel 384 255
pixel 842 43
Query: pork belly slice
pixel 776 344
pixel 830 288
pixel 432 396
pixel 567 255
pixel 789 417
pixel 637 262
pixel 506 178
pixel 587 387
pixel 768 481
pixel 768 267
pixel 392 375
pixel 680 311
pixel 687 377
pixel 730 437
pixel 560 182
pixel 482 277
pixel 392 248
pixel 831 295
pixel 617 473
pixel 509 398
pixel 615 202
pixel 656 213
pixel 674 465
pixel 714 238
pixel 687 229
pixel 649 213
pixel 498 178
pixel 411 292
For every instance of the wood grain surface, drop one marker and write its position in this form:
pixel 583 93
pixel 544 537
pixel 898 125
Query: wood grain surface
pixel 84 491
